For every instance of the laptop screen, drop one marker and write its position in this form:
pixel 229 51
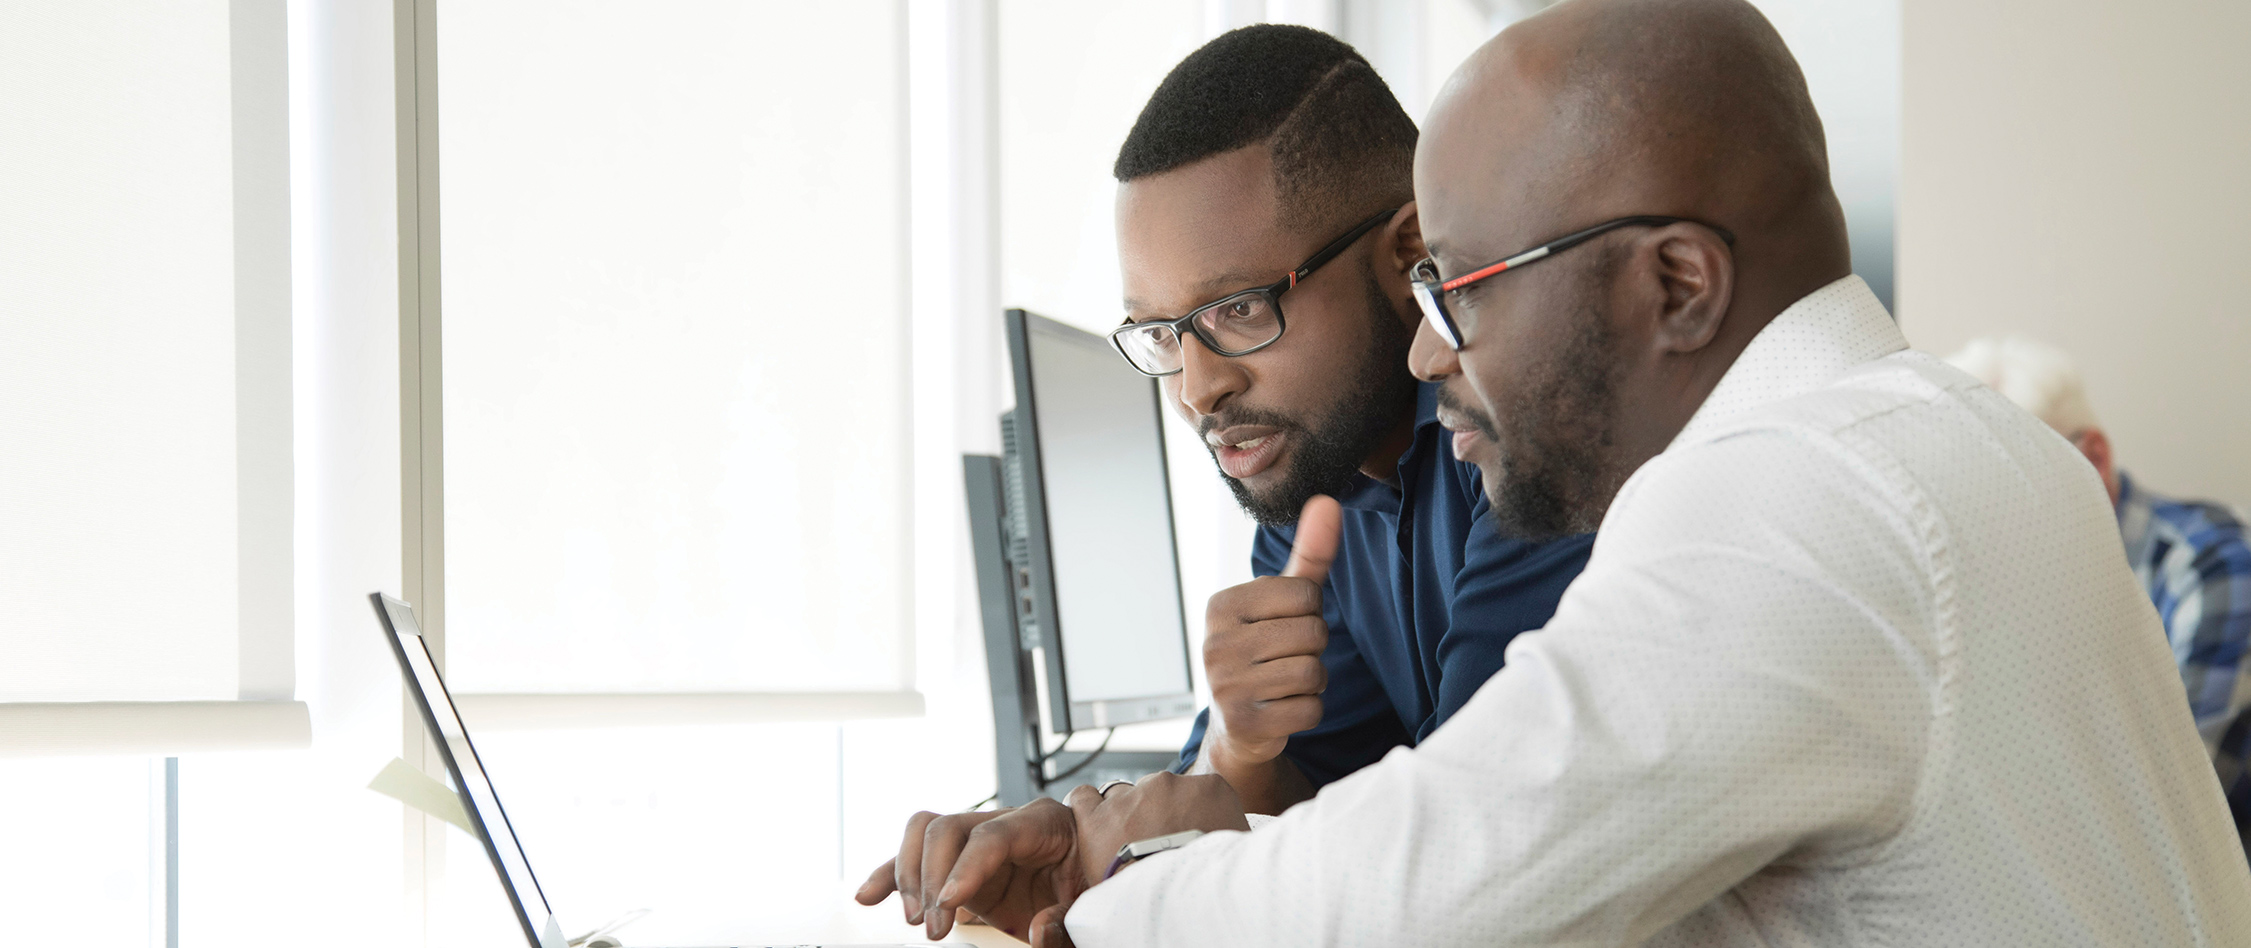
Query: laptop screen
pixel 477 794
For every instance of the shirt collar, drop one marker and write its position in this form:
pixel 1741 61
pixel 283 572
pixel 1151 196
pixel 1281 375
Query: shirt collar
pixel 1818 338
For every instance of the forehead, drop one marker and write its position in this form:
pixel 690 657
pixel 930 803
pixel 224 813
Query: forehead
pixel 1478 159
pixel 1208 227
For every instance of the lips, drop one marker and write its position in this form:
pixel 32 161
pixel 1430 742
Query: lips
pixel 1468 441
pixel 1466 444
pixel 1244 451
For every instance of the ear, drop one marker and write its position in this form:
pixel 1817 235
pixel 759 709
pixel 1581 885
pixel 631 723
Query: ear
pixel 1399 246
pixel 2096 446
pixel 1696 278
pixel 1402 241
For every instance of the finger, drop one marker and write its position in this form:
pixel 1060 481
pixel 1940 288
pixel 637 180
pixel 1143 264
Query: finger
pixel 1047 928
pixel 1029 841
pixel 1277 719
pixel 1298 636
pixel 984 852
pixel 881 883
pixel 941 846
pixel 908 864
pixel 1319 527
pixel 1286 677
pixel 1261 599
pixel 1083 799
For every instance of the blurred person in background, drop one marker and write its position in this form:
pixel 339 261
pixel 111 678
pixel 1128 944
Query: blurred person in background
pixel 2191 556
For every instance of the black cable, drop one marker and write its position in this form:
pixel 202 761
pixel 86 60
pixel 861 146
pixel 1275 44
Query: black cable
pixel 1051 755
pixel 1081 765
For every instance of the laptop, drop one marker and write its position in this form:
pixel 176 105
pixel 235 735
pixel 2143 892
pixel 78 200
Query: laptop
pixel 478 798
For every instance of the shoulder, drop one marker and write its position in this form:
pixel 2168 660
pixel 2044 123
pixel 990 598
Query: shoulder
pixel 1763 488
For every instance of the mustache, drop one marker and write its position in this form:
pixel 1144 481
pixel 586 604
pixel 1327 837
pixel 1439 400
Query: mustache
pixel 1475 415
pixel 1246 416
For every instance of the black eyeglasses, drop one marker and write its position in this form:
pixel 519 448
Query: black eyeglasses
pixel 1237 325
pixel 1430 290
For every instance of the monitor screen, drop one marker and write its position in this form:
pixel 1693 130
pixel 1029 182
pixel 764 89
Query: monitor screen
pixel 1100 449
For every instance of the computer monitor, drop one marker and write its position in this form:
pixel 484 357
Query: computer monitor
pixel 479 800
pixel 1077 562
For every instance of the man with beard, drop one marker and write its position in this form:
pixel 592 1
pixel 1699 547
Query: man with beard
pixel 1857 661
pixel 1265 233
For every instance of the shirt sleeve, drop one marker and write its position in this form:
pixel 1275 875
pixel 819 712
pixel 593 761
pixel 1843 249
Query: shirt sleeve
pixel 2210 616
pixel 1710 698
pixel 2207 613
pixel 1358 723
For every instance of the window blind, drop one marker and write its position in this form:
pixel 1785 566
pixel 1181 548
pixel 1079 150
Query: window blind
pixel 145 491
pixel 675 339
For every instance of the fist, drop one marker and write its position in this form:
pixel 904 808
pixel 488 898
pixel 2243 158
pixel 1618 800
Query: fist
pixel 1262 647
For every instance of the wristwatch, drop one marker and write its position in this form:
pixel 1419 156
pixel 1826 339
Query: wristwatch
pixel 1140 849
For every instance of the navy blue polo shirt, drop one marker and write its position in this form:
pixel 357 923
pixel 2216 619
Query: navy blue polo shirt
pixel 1422 600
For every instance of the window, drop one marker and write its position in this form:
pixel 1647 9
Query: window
pixel 675 347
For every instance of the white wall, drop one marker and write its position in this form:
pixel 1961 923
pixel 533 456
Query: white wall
pixel 2080 171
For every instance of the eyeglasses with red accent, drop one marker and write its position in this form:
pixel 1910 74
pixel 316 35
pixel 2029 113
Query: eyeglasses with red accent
pixel 1238 324
pixel 1431 290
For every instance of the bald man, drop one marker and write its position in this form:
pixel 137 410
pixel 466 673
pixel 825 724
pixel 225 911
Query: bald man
pixel 1854 661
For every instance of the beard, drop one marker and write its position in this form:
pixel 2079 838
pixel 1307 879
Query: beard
pixel 1328 451
pixel 1552 477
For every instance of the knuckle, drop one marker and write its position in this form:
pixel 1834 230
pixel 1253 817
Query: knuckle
pixel 1255 721
pixel 1302 635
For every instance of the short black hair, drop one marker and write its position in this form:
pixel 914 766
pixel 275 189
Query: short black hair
pixel 1343 148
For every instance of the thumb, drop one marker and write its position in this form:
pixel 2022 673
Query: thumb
pixel 1318 527
pixel 1046 929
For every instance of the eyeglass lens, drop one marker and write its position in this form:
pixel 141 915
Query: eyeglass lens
pixel 1232 326
pixel 1431 299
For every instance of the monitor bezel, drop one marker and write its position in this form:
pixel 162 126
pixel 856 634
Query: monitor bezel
pixel 533 931
pixel 1082 715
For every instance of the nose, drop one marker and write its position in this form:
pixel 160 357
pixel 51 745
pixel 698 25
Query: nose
pixel 1430 358
pixel 1207 379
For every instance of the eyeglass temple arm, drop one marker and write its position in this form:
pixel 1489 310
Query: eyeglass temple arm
pixel 1338 245
pixel 1569 241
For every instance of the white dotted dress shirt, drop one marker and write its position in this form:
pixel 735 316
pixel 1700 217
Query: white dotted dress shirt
pixel 1856 662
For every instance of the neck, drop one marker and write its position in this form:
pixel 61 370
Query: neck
pixel 1693 376
pixel 1383 463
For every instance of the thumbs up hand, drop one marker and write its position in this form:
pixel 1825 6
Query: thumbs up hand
pixel 1262 653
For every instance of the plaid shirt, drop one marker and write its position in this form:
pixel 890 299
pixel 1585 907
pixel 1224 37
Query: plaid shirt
pixel 2194 560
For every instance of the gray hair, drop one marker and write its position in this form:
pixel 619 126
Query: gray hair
pixel 2040 378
